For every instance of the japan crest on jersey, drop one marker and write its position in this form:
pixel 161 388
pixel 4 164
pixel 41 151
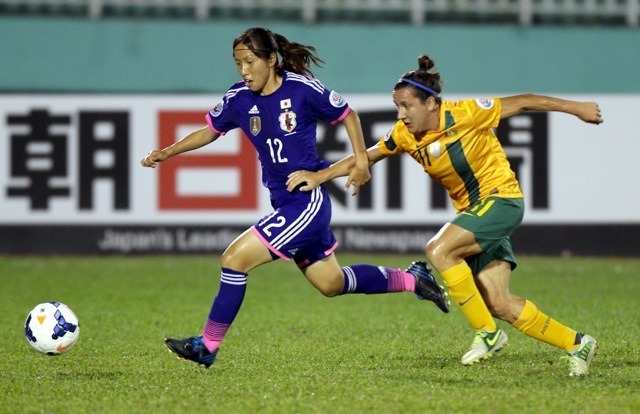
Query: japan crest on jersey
pixel 288 121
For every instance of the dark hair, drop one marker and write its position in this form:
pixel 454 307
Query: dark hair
pixel 296 58
pixel 424 76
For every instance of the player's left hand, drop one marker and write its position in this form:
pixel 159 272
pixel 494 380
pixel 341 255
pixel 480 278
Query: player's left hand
pixel 589 112
pixel 358 177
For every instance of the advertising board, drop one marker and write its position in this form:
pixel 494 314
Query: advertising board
pixel 71 179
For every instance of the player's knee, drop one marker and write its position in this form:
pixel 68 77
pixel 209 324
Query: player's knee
pixel 331 287
pixel 330 292
pixel 429 249
pixel 435 251
pixel 230 260
pixel 226 259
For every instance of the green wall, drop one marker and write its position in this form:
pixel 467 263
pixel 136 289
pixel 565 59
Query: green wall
pixel 80 55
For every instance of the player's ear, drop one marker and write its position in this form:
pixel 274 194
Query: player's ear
pixel 273 60
pixel 432 104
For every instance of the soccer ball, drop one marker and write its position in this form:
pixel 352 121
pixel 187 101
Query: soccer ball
pixel 52 328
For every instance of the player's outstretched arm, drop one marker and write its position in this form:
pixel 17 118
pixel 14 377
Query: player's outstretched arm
pixel 309 180
pixel 514 105
pixel 192 141
pixel 359 174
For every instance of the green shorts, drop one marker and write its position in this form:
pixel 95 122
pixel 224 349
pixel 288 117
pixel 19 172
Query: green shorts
pixel 492 221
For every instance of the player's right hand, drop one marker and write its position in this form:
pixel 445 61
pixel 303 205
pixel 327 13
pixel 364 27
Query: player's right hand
pixel 153 157
pixel 303 180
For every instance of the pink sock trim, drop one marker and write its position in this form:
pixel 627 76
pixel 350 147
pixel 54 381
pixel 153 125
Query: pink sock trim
pixel 211 345
pixel 400 281
pixel 213 334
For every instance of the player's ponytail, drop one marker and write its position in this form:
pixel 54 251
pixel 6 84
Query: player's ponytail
pixel 424 80
pixel 296 58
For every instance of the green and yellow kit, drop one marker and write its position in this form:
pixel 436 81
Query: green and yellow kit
pixel 464 155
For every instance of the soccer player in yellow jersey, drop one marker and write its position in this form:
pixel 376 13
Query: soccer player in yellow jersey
pixel 456 146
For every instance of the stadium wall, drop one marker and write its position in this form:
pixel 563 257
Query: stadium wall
pixel 103 93
pixel 126 56
pixel 71 174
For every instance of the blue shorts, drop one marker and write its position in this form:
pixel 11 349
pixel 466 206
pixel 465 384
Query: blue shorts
pixel 299 229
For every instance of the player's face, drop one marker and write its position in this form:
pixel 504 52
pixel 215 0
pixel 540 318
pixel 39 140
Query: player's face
pixel 415 114
pixel 254 71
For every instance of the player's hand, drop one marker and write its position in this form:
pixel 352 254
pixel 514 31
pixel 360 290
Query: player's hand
pixel 358 177
pixel 153 157
pixel 589 112
pixel 303 180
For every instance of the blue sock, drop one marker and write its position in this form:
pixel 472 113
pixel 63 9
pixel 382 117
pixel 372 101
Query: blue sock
pixel 364 278
pixel 226 305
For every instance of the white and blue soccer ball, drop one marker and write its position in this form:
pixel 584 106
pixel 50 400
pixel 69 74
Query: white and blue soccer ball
pixel 52 328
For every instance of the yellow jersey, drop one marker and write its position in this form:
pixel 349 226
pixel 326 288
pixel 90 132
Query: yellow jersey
pixel 464 155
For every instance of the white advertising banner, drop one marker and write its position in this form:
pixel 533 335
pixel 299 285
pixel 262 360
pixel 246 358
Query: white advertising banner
pixel 75 160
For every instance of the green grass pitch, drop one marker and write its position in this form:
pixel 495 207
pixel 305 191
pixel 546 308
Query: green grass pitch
pixel 291 350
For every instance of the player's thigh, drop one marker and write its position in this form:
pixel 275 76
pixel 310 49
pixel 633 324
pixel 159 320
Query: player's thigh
pixel 245 253
pixel 325 275
pixel 450 245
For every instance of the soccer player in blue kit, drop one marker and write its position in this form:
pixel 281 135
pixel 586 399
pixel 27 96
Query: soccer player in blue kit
pixel 277 105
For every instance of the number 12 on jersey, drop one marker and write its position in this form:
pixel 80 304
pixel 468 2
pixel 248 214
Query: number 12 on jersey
pixel 275 148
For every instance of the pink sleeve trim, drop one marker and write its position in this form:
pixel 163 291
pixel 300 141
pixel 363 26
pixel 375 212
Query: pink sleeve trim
pixel 269 246
pixel 343 116
pixel 208 118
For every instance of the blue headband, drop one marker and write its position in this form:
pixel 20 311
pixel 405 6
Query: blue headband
pixel 421 86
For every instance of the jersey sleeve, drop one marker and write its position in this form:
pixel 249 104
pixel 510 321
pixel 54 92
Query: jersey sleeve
pixel 388 144
pixel 485 112
pixel 221 118
pixel 328 106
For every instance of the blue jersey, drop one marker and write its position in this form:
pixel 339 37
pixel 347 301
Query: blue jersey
pixel 281 126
